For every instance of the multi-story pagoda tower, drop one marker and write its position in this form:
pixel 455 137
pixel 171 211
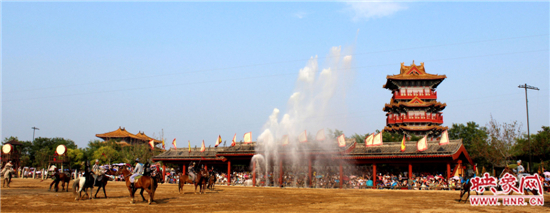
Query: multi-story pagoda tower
pixel 413 108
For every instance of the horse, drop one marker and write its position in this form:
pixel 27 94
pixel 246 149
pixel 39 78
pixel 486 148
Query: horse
pixel 201 180
pixel 60 177
pixel 466 188
pixel 148 183
pixel 211 181
pixel 183 180
pixel 7 177
pixel 83 183
pixel 510 171
pixel 103 182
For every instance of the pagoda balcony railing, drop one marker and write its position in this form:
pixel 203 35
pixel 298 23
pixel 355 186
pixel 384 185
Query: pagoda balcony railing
pixel 438 119
pixel 409 95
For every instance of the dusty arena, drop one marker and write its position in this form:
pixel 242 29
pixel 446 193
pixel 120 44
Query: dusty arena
pixel 28 195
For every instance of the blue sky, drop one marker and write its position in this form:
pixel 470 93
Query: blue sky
pixel 199 70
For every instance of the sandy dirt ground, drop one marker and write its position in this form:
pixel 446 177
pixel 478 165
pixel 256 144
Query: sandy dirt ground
pixel 28 195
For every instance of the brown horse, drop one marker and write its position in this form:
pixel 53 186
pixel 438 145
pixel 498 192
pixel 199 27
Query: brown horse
pixel 183 180
pixel 60 177
pixel 147 183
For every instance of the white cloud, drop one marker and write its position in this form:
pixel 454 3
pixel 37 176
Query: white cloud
pixel 300 15
pixel 370 10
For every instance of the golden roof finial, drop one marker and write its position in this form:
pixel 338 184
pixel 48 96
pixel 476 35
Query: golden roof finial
pixel 413 62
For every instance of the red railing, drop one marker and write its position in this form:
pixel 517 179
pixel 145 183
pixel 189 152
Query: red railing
pixel 416 119
pixel 410 95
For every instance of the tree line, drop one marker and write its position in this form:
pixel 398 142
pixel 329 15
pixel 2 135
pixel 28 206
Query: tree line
pixel 494 145
pixel 39 152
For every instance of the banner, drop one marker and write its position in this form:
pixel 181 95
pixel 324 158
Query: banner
pixel 285 140
pixel 234 140
pixel 368 140
pixel 247 138
pixel 174 143
pixel 203 147
pixel 377 141
pixel 444 138
pixel 342 141
pixel 189 146
pixel 163 144
pixel 403 144
pixel 219 141
pixel 303 137
pixel 422 144
pixel 152 144
pixel 320 135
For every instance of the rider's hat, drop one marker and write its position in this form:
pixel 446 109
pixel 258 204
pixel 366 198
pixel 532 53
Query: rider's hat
pixel 137 159
pixel 193 163
pixel 519 161
pixel 97 160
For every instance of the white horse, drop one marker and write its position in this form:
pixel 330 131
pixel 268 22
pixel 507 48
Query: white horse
pixel 80 184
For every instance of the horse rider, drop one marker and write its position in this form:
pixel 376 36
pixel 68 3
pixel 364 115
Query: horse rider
pixel 97 171
pixel 138 170
pixel 191 171
pixel 520 170
pixel 8 167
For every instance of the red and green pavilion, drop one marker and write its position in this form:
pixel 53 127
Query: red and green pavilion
pixel 451 155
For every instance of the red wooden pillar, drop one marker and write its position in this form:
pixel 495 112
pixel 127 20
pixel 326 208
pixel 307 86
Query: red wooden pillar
pixel 374 175
pixel 205 167
pixel 341 175
pixel 253 173
pixel 183 172
pixel 410 170
pixel 448 171
pixel 163 171
pixel 229 173
pixel 310 172
pixel 281 172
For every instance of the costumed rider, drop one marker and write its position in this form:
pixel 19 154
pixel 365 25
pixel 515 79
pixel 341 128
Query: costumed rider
pixel 98 172
pixel 8 167
pixel 191 171
pixel 138 170
pixel 520 170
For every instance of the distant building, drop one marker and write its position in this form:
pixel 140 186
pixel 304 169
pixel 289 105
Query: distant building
pixel 413 108
pixel 125 138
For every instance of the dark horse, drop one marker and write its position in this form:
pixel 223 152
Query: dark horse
pixel 60 177
pixel 466 188
pixel 211 181
pixel 83 183
pixel 147 183
pixel 102 182
pixel 201 180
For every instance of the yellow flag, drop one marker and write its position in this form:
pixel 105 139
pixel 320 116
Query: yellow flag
pixel 189 146
pixel 403 144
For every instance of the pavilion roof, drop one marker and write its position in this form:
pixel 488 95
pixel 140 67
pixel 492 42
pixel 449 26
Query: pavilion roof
pixel 122 133
pixel 412 72
pixel 352 150
pixel 415 102
pixel 393 150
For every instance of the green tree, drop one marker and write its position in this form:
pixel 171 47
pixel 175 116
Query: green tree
pixel 106 154
pixel 467 133
pixel 540 146
pixel 334 134
pixel 76 157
